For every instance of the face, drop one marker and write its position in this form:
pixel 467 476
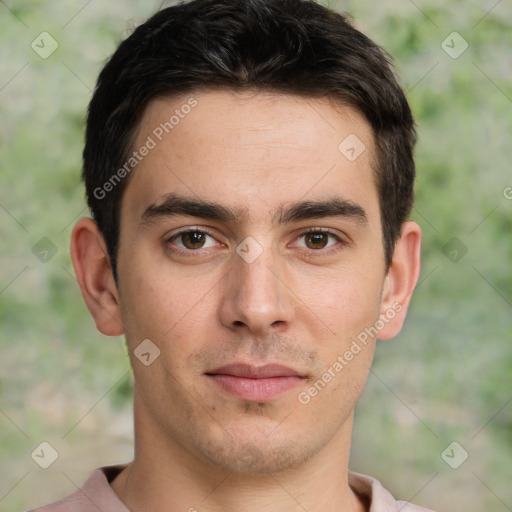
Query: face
pixel 249 239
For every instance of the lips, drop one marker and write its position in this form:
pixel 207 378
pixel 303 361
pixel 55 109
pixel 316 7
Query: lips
pixel 255 372
pixel 255 383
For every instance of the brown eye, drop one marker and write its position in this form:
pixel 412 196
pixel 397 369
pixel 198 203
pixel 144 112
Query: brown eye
pixel 316 240
pixel 193 239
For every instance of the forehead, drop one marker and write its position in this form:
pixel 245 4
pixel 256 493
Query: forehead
pixel 252 151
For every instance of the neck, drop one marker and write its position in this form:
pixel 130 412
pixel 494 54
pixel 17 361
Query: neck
pixel 166 477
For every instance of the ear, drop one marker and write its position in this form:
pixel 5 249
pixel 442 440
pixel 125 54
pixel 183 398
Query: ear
pixel 94 275
pixel 400 280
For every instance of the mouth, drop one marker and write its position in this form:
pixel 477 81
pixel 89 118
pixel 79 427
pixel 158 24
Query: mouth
pixel 255 383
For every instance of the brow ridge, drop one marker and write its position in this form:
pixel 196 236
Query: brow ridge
pixel 174 204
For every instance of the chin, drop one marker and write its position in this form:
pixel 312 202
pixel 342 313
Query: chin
pixel 259 456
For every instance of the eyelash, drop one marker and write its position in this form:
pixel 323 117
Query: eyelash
pixel 323 252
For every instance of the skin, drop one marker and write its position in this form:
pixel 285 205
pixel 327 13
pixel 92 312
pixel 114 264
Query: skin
pixel 300 303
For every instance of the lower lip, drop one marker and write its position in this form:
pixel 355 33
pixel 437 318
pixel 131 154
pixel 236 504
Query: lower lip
pixel 256 389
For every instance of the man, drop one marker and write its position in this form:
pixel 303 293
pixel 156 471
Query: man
pixel 249 168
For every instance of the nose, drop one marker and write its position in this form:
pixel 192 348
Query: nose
pixel 257 297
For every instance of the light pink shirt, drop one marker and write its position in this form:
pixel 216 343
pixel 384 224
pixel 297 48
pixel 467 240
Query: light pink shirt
pixel 96 494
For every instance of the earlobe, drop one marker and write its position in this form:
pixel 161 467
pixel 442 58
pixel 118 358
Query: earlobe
pixel 401 280
pixel 94 275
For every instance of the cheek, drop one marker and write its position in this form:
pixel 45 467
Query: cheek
pixel 345 301
pixel 164 306
pixel 142 307
pixel 347 307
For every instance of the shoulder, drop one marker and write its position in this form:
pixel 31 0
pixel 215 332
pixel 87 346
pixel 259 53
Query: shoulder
pixel 95 494
pixel 405 506
pixel 73 503
pixel 380 499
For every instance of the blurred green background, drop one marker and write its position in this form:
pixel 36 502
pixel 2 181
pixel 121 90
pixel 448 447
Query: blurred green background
pixel 446 378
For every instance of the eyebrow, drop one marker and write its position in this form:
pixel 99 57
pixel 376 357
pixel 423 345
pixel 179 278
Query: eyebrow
pixel 174 205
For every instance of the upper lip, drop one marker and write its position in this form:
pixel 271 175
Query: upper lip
pixel 255 372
